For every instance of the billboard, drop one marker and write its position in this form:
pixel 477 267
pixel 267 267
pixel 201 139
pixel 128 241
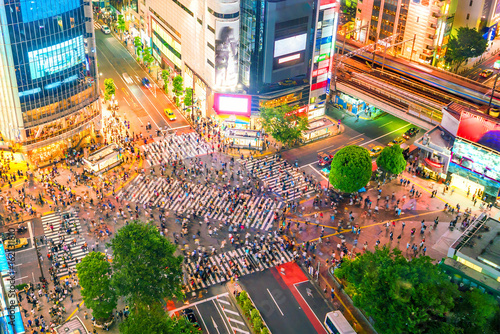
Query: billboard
pixel 479 130
pixel 227 40
pixel 230 104
pixel 290 45
pixel 56 58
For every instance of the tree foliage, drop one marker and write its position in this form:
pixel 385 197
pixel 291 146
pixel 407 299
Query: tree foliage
pixel 94 272
pixel 178 85
pixel 351 169
pixel 475 312
pixel 138 45
pixel 188 97
pixel 392 160
pixel 147 57
pixel 109 89
pixel 152 319
pixel 468 43
pixel 401 296
pixel 121 25
pixel 144 264
pixel 165 75
pixel 281 123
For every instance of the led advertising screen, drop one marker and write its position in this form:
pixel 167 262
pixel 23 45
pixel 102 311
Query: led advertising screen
pixel 232 104
pixel 479 130
pixel 226 54
pixel 289 45
pixel 56 58
pixel 33 10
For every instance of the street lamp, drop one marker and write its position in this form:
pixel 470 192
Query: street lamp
pixel 496 66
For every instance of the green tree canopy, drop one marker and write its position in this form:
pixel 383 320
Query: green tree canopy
pixel 282 124
pixel 109 89
pixel 467 43
pixel 144 264
pixel 147 57
pixel 188 97
pixel 474 312
pixel 165 75
pixel 153 318
pixel 351 169
pixel 391 159
pixel 94 272
pixel 401 296
pixel 120 24
pixel 178 85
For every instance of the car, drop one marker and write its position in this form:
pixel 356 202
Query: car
pixel 11 244
pixel 127 78
pixel 397 141
pixel 486 73
pixel 376 151
pixel 170 114
pixel 191 316
pixel 146 82
pixel 325 160
pixel 105 29
pixel 411 132
pixel 326 171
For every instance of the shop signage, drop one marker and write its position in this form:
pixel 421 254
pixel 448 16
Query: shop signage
pixel 320 71
pixel 299 112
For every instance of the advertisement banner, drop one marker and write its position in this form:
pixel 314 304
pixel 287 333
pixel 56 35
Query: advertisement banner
pixel 479 130
pixel 227 39
pixel 56 58
pixel 231 104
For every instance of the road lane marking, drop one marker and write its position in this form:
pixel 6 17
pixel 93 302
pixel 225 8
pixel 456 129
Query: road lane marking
pixel 21 278
pixel 295 286
pixel 371 141
pixel 203 320
pixel 236 321
pixel 196 303
pixel 181 127
pixel 336 144
pixel 314 169
pixel 222 317
pixel 230 311
pixel 386 124
pixel 275 302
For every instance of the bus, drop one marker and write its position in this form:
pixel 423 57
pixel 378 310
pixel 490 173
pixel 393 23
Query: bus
pixel 336 323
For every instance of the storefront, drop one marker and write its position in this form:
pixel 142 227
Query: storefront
pixel 248 139
pixel 233 110
pixel 350 103
pixel 319 128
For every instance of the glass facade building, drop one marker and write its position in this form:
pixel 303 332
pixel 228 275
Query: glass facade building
pixel 48 75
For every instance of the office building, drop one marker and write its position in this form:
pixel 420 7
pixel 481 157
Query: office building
pixel 48 76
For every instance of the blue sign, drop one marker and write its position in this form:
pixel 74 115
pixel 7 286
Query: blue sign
pixel 491 32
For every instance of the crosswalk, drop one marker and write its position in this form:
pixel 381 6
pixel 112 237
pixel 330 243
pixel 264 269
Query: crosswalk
pixel 211 202
pixel 62 257
pixel 281 177
pixel 233 262
pixel 175 147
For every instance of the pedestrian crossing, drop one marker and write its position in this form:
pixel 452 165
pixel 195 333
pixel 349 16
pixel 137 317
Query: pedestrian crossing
pixel 203 201
pixel 54 228
pixel 279 176
pixel 232 263
pixel 175 147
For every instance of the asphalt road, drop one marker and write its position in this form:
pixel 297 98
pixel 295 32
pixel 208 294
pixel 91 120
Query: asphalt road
pixel 276 303
pixel 140 104
pixel 488 64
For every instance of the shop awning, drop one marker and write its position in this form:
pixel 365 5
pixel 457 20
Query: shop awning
pixel 433 163
pixel 235 119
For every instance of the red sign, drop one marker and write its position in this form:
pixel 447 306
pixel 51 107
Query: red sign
pixel 320 71
pixel 299 112
pixel 318 85
pixel 479 130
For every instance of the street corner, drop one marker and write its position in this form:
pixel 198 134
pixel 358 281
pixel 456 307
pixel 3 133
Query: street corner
pixel 291 273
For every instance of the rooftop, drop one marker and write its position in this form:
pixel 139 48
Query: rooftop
pixel 319 123
pixel 75 325
pixel 484 244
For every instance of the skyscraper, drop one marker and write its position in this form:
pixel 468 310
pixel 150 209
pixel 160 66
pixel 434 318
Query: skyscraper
pixel 48 75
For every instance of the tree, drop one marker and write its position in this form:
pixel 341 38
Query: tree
pixel 391 159
pixel 109 89
pixel 468 43
pixel 165 75
pixel 401 296
pixel 178 87
pixel 94 272
pixel 121 25
pixel 147 57
pixel 145 267
pixel 138 45
pixel 351 169
pixel 283 124
pixel 153 318
pixel 475 312
pixel 188 97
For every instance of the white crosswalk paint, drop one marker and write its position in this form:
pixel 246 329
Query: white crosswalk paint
pixel 283 179
pixel 255 211
pixel 175 147
pixel 245 264
pixel 64 257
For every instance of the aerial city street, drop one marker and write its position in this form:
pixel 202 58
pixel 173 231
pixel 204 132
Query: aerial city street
pixel 248 167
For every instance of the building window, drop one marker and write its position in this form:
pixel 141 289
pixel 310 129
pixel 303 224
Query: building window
pixel 199 21
pixel 210 28
pixel 468 15
pixel 210 63
pixel 210 46
pixel 223 16
pixel 470 3
pixel 184 7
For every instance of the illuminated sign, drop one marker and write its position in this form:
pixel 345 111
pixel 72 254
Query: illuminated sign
pixel 299 112
pixel 479 130
pixel 56 58
pixel 232 104
pixel 289 45
pixel 320 71
pixel 289 58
